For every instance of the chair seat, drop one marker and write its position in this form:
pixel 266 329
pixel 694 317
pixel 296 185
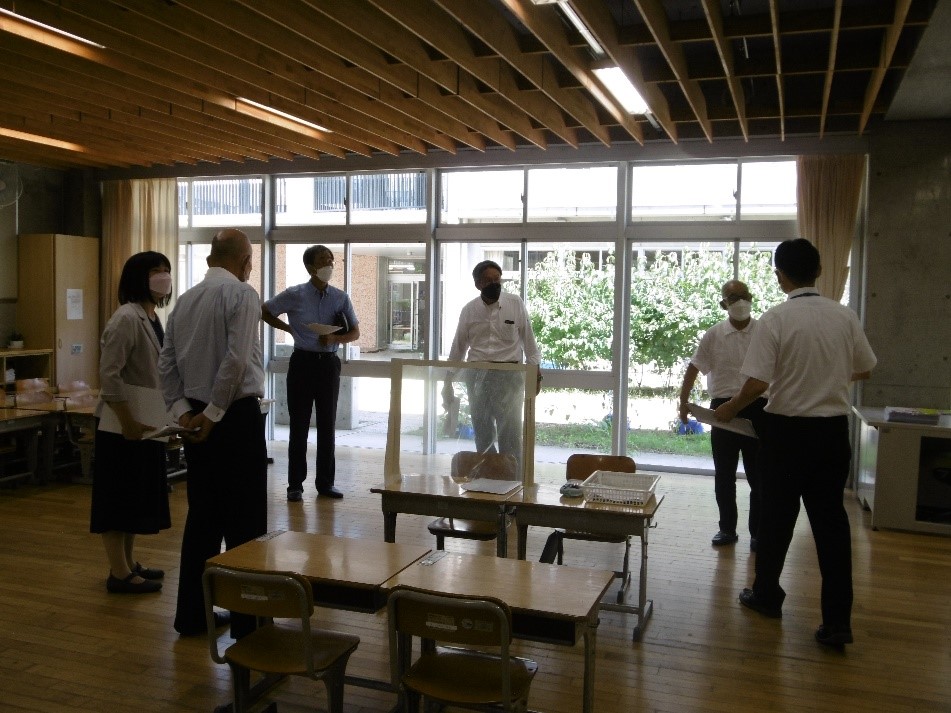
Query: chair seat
pixel 482 530
pixel 437 675
pixel 277 649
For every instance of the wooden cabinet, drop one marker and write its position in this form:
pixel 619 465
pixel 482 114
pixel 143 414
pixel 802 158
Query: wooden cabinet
pixel 58 302
pixel 25 364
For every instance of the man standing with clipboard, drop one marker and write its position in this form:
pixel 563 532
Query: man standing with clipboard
pixel 320 317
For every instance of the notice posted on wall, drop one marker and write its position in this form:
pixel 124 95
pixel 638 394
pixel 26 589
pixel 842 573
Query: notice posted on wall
pixel 74 304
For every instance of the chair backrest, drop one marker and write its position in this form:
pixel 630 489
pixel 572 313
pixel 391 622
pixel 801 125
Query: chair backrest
pixel 276 595
pixel 448 618
pixel 581 465
pixel 467 465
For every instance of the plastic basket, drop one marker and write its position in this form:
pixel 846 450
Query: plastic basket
pixel 608 486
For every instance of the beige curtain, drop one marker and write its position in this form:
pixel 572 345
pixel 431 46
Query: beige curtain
pixel 137 215
pixel 828 190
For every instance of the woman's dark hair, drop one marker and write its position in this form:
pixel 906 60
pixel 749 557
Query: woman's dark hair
pixel 799 259
pixel 134 280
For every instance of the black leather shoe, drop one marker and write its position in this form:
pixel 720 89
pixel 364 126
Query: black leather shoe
pixel 724 538
pixel 127 586
pixel 147 572
pixel 330 492
pixel 834 635
pixel 222 618
pixel 294 496
pixel 749 599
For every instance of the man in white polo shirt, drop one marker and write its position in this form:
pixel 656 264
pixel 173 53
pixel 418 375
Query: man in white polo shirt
pixel 719 356
pixel 807 351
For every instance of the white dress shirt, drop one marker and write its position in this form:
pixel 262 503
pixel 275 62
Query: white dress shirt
pixel 720 355
pixel 212 352
pixel 807 349
pixel 499 332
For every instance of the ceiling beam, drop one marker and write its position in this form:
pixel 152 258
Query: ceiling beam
pixel 711 8
pixel 889 42
pixel 778 53
pixel 830 70
pixel 498 34
pixel 655 16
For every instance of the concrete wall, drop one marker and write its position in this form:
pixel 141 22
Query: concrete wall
pixel 908 264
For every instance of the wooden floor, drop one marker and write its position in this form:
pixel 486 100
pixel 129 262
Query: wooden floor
pixel 68 645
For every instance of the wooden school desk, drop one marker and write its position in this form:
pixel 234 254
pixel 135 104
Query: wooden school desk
pixel 549 602
pixel 441 496
pixel 29 422
pixel 545 506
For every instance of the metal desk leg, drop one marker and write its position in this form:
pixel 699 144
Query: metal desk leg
pixel 587 695
pixel 644 607
pixel 522 532
pixel 389 526
pixel 502 541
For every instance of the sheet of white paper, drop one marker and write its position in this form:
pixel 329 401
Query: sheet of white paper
pixel 74 304
pixel 147 406
pixel 489 485
pixel 166 431
pixel 743 426
pixel 322 329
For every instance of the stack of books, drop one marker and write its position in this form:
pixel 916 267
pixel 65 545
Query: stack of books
pixel 923 416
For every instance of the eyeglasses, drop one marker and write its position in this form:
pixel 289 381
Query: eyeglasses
pixel 732 299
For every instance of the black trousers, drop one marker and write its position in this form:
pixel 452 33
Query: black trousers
pixel 313 382
pixel 496 400
pixel 227 500
pixel 808 459
pixel 727 448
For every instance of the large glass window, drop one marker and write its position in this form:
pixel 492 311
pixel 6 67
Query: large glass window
pixel 702 191
pixel 481 197
pixel 310 200
pixel 768 190
pixel 225 201
pixel 675 295
pixel 456 284
pixel 388 198
pixel 572 194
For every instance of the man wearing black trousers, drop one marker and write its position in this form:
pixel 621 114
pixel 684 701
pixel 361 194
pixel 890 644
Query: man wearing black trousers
pixel 212 378
pixel 313 376
pixel 720 355
pixel 807 351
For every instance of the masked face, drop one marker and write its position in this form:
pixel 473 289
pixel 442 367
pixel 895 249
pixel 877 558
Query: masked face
pixel 740 310
pixel 324 273
pixel 491 292
pixel 160 283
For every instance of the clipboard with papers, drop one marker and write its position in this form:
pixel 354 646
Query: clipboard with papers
pixel 743 426
pixel 148 407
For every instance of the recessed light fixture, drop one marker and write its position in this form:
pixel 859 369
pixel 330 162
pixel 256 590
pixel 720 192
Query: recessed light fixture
pixel 620 86
pixel 253 108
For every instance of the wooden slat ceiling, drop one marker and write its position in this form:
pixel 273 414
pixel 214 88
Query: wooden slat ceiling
pixel 422 76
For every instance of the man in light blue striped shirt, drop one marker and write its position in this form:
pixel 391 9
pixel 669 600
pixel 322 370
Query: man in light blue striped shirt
pixel 212 377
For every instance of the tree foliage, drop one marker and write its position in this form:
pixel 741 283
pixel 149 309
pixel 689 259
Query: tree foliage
pixel 674 299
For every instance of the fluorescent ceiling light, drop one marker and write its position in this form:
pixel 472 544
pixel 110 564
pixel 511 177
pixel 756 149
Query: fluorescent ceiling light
pixel 50 29
pixel 272 113
pixel 573 18
pixel 45 140
pixel 620 86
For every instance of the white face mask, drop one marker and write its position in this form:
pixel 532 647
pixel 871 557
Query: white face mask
pixel 161 283
pixel 324 273
pixel 740 310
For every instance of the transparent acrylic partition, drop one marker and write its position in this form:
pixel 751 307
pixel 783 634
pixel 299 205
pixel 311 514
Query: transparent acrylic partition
pixel 440 409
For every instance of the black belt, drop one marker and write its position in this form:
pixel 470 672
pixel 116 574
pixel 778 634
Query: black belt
pixel 315 355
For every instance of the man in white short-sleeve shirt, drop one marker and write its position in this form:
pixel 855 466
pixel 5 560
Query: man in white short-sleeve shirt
pixel 719 357
pixel 807 351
